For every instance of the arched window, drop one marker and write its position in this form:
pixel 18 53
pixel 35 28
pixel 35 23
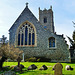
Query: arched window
pixel 18 39
pixel 51 42
pixel 45 19
pixel 26 35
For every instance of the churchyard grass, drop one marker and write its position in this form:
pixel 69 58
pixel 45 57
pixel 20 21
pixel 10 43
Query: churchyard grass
pixel 43 72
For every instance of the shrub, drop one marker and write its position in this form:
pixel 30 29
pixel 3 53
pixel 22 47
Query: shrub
pixel 32 59
pixel 38 59
pixel 42 59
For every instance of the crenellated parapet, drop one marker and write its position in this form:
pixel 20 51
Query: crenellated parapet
pixel 46 19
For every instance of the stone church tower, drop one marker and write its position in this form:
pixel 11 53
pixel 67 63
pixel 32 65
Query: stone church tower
pixel 37 38
pixel 46 19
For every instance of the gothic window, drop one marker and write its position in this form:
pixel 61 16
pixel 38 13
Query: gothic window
pixel 51 42
pixel 18 39
pixel 26 35
pixel 29 38
pixel 26 31
pixel 22 39
pixel 33 38
pixel 45 19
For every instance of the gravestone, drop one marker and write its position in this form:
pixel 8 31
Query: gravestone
pixel 32 67
pixel 68 67
pixel 18 68
pixel 58 69
pixel 44 67
pixel 23 57
pixel 19 60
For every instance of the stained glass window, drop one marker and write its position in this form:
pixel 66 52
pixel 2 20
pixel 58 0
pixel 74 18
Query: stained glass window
pixel 18 39
pixel 29 38
pixel 22 39
pixel 26 35
pixel 33 38
pixel 52 42
pixel 26 31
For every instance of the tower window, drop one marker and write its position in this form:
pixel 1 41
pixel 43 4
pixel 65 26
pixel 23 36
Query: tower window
pixel 45 20
pixel 51 42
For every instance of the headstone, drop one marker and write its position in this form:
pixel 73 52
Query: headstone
pixel 23 57
pixel 32 67
pixel 19 60
pixel 58 69
pixel 68 67
pixel 21 66
pixel 43 68
pixel 16 68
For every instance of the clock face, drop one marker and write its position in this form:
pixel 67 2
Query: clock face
pixel 45 27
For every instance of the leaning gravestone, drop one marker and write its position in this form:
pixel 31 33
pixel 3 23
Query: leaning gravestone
pixel 44 67
pixel 19 60
pixel 32 67
pixel 58 69
pixel 68 67
pixel 18 68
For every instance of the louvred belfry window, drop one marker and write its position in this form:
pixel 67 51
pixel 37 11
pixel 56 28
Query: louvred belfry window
pixel 45 19
pixel 26 35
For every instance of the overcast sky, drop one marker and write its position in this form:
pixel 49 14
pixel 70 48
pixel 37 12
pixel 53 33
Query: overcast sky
pixel 64 14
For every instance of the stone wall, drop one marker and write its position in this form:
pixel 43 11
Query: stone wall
pixel 59 53
pixel 49 16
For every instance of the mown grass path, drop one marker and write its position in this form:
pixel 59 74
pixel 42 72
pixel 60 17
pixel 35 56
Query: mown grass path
pixel 44 72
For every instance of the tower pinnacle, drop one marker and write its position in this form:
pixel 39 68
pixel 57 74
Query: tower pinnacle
pixel 50 7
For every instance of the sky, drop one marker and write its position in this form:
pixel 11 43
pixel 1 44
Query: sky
pixel 64 14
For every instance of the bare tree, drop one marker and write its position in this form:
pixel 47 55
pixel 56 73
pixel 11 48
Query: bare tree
pixel 11 52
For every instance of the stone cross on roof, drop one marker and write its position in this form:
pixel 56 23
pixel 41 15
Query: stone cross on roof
pixel 26 4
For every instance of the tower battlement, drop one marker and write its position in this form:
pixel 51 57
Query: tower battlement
pixel 46 18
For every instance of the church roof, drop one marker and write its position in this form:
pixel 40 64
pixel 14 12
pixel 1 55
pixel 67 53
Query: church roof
pixel 25 15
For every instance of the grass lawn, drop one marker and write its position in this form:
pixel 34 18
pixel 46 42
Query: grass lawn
pixel 44 72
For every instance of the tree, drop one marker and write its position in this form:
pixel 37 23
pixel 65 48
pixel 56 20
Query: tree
pixel 72 47
pixel 7 51
pixel 74 36
pixel 3 39
pixel 11 52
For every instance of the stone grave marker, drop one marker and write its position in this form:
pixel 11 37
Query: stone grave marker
pixel 19 60
pixel 23 57
pixel 18 68
pixel 44 67
pixel 58 69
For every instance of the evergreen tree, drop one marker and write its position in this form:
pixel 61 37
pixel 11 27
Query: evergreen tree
pixel 74 36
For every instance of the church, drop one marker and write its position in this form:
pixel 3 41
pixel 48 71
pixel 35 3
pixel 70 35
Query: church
pixel 37 37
